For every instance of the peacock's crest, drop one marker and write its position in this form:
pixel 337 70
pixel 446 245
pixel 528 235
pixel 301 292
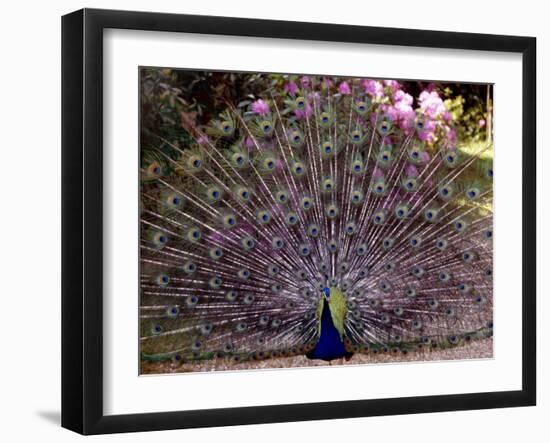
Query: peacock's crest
pixel 302 204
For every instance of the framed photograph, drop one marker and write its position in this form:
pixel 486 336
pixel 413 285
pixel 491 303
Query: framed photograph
pixel 269 221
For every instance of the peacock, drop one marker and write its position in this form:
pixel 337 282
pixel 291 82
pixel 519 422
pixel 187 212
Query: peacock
pixel 320 217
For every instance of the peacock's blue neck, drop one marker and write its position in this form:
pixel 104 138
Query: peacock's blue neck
pixel 330 345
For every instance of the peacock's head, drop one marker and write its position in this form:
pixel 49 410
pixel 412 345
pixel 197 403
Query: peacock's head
pixel 326 292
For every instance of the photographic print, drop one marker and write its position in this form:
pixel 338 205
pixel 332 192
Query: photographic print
pixel 293 220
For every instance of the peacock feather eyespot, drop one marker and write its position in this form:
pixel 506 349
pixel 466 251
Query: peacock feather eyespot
pixel 410 292
pixel 306 203
pixel 172 311
pixel 239 159
pixel 325 119
pixel 227 127
pixel 468 256
pixel 390 266
pixel 384 285
pixel 464 288
pixel 385 127
pixel 445 192
pixel 473 193
pixel 266 127
pixel 162 280
pixel 418 271
pixel 159 239
pixel 488 234
pixel 206 328
pixel 263 320
pixel 385 158
pixel 277 242
pixel 402 211
pixel 194 234
pixel 189 267
pixel 351 228
pixel 410 184
pixel 269 164
pixel 296 139
pixel 248 243
pixel 379 187
pixel 264 216
pixel 156 329
pixel 357 196
pixel 450 158
pixel 304 250
pixel 300 103
pixel 248 299
pixel 444 276
pixel 441 244
pixel 361 249
pixel 460 225
pixel 301 274
pixel 273 270
pixel 431 214
pixel 357 137
pixel 379 217
pixel 215 282
pixel 229 220
pixel 231 295
pixel 276 322
pixel 361 107
pixel 191 301
pixel 415 241
pixel 243 274
pixel 328 184
pixel 214 193
pixel 417 324
pixel 243 194
pixel 313 230
pixel 387 242
pixel 327 149
pixel 433 304
pixel 282 196
pixel 332 211
pixel 291 218
pixel 332 246
pixel 299 169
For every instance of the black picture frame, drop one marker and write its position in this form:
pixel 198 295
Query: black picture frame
pixel 82 218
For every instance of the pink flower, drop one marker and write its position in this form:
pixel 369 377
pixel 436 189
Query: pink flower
pixel 305 81
pixel 249 143
pixel 260 107
pixel 291 88
pixel 305 113
pixel 373 88
pixel 481 123
pixel 377 173
pixel 203 140
pixel 344 88
pixel 431 104
pixel 411 171
pixel 392 84
pixel 447 116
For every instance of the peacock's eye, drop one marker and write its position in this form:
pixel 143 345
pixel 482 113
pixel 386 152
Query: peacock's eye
pixel 156 170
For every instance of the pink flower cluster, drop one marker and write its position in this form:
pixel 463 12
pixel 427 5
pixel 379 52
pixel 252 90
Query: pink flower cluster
pixel 393 102
pixel 260 107
pixel 436 116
